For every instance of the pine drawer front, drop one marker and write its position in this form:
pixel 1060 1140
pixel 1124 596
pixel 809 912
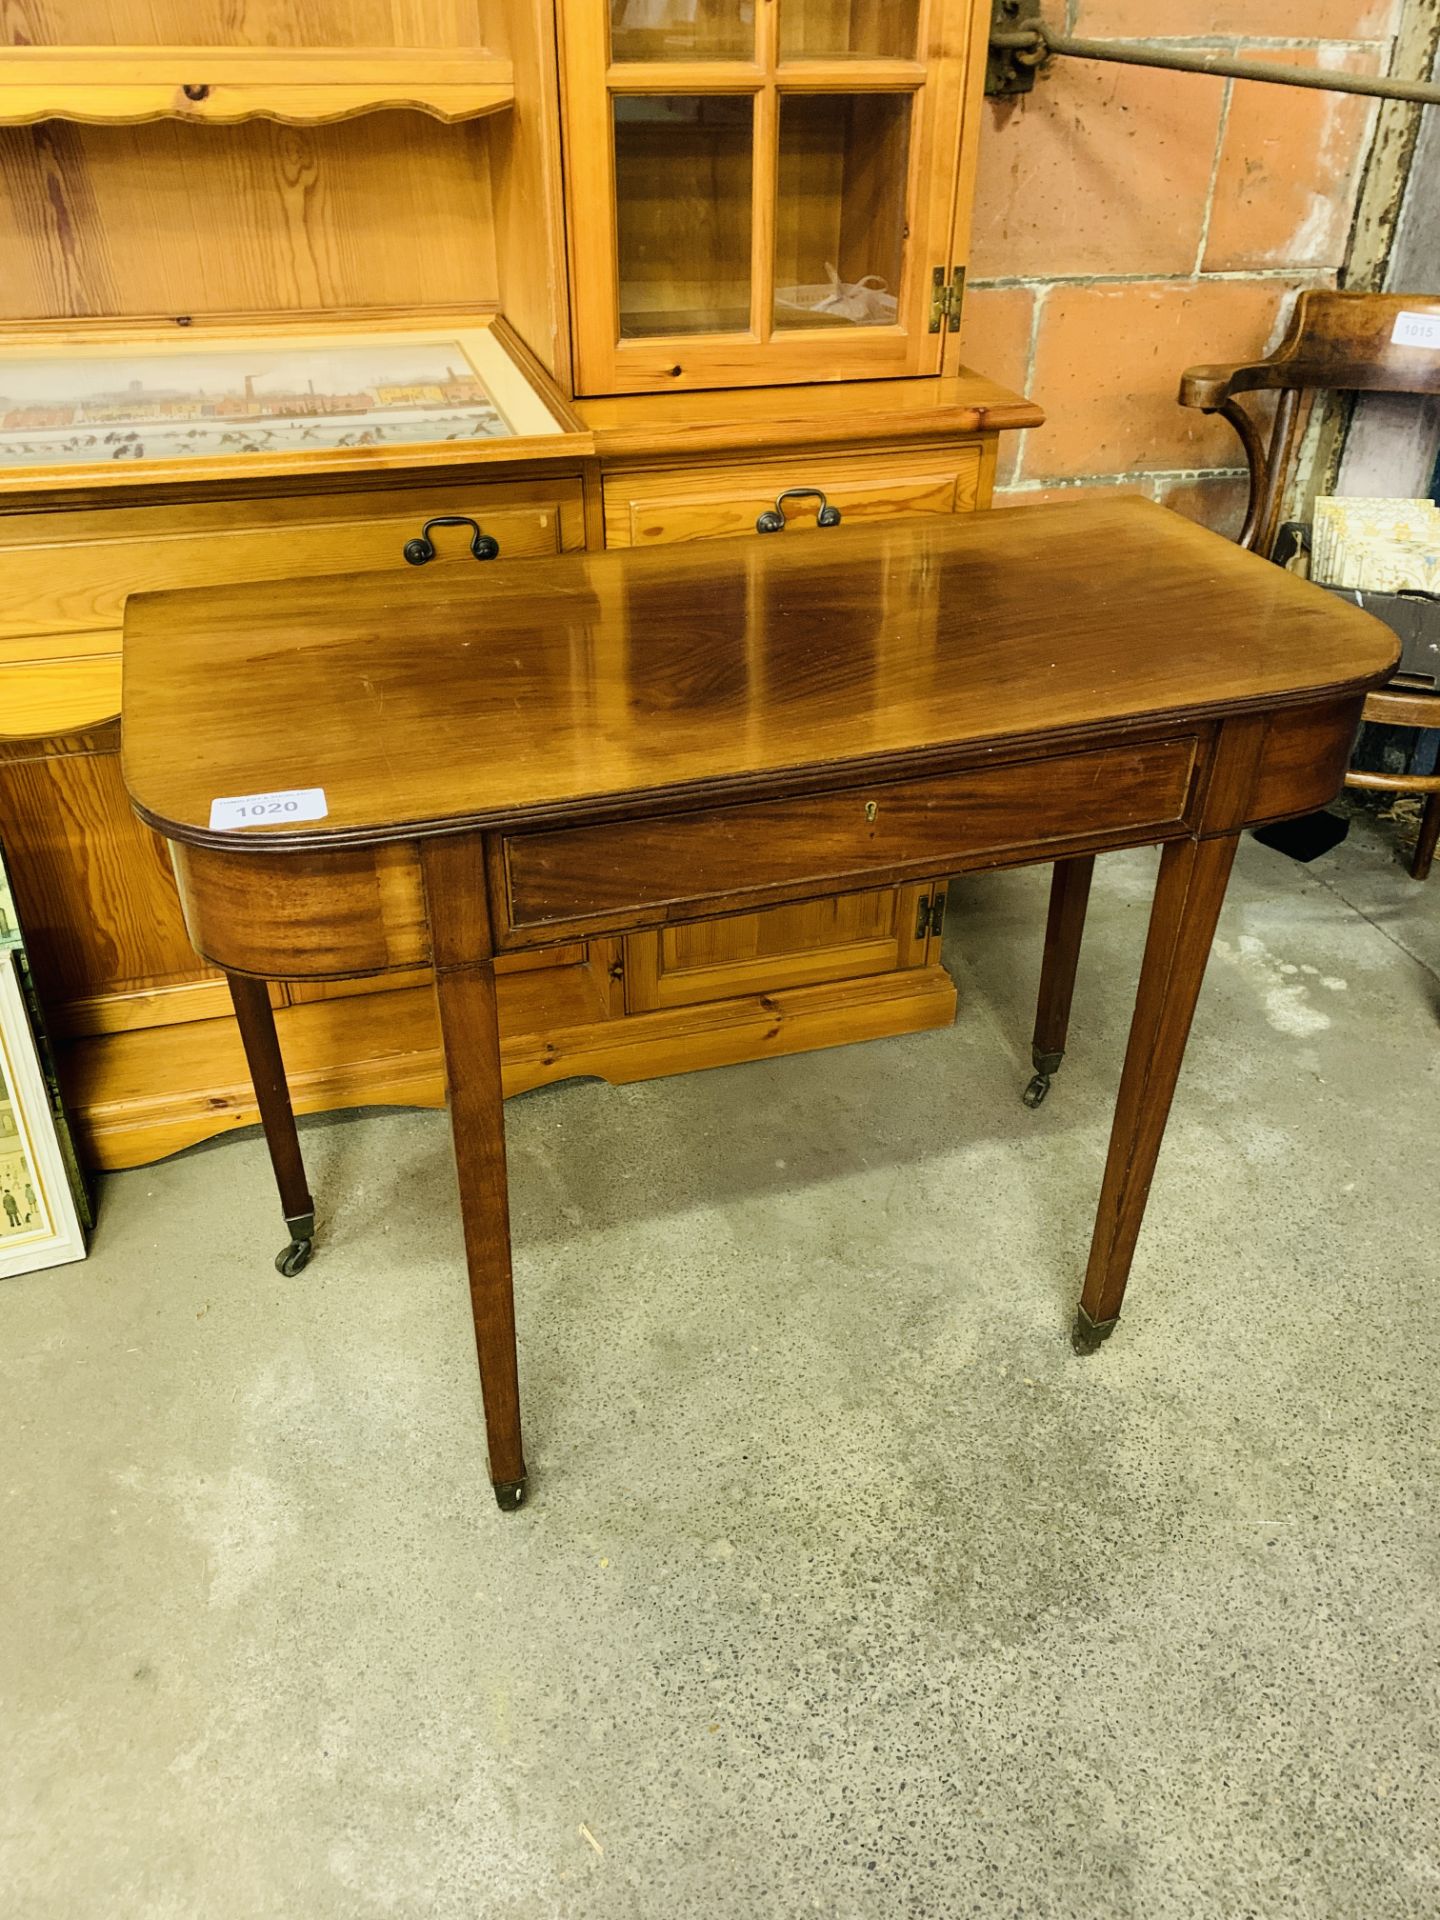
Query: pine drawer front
pixel 651 871
pixel 713 503
pixel 70 573
pixel 64 694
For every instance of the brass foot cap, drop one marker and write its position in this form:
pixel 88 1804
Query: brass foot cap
pixel 509 1495
pixel 1087 1335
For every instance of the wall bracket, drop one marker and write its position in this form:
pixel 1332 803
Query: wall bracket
pixel 1021 43
pixel 1017 47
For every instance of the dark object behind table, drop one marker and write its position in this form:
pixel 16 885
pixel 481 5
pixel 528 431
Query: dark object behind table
pixel 1307 838
pixel 1415 620
pixel 1414 617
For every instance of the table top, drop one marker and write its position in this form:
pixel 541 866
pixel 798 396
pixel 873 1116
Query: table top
pixel 525 693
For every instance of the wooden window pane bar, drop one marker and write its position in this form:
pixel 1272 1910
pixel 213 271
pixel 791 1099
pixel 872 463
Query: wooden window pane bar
pixel 851 76
pixel 685 76
pixel 767 162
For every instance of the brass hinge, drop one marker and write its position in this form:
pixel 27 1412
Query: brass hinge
pixel 946 298
pixel 931 918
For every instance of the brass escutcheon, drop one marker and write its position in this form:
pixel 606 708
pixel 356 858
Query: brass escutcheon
pixel 871 809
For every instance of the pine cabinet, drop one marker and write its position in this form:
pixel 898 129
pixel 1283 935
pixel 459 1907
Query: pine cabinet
pixel 702 256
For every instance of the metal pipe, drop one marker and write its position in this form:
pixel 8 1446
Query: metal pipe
pixel 1033 44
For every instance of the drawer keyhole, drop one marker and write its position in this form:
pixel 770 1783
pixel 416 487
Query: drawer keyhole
pixel 871 809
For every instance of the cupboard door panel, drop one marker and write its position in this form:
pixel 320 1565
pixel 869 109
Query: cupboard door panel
pixel 844 937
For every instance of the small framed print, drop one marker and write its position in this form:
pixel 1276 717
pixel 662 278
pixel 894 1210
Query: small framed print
pixel 136 404
pixel 39 1224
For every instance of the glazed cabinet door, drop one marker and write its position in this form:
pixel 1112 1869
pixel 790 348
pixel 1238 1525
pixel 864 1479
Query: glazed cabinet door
pixel 760 190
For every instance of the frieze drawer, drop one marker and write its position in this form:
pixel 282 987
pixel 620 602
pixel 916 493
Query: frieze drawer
pixel 664 869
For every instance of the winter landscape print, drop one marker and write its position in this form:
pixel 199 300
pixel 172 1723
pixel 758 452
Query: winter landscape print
pixel 58 411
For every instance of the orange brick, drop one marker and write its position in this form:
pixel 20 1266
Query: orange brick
pixel 995 340
pixel 1260 19
pixel 995 333
pixel 1100 170
pixel 1290 167
pixel 1216 500
pixel 1108 362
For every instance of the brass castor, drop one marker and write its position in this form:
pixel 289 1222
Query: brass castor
pixel 1035 1093
pixel 301 1228
pixel 1046 1065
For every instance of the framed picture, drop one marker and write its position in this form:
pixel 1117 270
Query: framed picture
pixel 76 407
pixel 39 1222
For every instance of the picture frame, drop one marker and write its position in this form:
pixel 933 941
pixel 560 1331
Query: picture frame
pixel 41 1198
pixel 86 407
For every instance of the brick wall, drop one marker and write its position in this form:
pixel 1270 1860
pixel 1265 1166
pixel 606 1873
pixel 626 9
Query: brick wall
pixel 1131 222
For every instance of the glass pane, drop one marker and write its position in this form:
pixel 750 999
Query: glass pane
pixel 682 29
pixel 682 212
pixel 840 209
pixel 823 29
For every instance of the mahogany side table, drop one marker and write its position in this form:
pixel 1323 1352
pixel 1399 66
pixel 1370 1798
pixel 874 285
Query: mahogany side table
pixel 365 773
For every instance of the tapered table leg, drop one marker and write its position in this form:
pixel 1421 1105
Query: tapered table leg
pixel 1064 930
pixel 470 1033
pixel 256 1018
pixel 1188 898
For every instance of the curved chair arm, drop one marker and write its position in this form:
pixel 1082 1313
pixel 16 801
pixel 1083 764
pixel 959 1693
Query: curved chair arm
pixel 1213 390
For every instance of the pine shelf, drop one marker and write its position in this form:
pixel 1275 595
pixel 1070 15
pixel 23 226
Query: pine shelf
pixel 297 85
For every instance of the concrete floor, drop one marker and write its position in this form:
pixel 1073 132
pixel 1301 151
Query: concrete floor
pixel 847 1588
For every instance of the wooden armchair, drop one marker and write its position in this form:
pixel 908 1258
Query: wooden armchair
pixel 1337 342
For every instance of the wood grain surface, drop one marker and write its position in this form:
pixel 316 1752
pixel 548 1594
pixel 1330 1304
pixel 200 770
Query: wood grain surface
pixel 589 685
pixel 890 827
pixel 277 23
pixel 682 425
pixel 218 85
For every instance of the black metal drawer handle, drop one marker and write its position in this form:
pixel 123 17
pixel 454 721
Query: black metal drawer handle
pixel 421 549
pixel 773 519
